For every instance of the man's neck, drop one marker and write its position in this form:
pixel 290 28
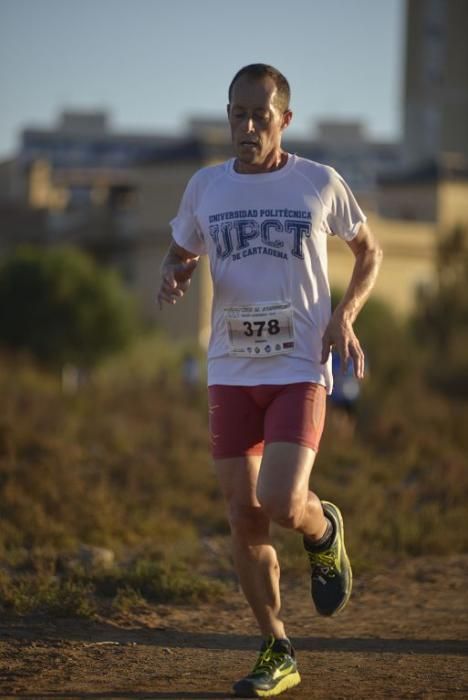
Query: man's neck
pixel 275 161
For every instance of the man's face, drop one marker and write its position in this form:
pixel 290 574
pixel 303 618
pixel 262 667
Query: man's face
pixel 256 120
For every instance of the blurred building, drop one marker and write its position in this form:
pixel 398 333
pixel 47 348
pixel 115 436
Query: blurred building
pixel 346 146
pixel 435 192
pixel 430 188
pixel 436 80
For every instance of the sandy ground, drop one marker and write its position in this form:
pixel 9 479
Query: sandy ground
pixel 403 635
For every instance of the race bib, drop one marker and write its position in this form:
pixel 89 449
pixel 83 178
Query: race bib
pixel 260 330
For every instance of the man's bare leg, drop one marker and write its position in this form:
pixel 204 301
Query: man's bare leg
pixel 283 489
pixel 255 558
pixel 280 483
pixel 283 493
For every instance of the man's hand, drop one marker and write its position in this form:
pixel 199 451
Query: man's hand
pixel 176 272
pixel 175 281
pixel 340 334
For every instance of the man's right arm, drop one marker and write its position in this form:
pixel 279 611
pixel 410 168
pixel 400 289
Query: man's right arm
pixel 177 268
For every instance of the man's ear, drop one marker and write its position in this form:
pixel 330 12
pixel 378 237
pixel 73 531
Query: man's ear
pixel 287 116
pixel 227 109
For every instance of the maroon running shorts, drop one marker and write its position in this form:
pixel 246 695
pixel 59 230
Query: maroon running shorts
pixel 244 418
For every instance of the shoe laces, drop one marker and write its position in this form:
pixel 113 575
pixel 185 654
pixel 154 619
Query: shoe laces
pixel 323 563
pixel 268 659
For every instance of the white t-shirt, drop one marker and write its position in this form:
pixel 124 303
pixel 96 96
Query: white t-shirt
pixel 266 238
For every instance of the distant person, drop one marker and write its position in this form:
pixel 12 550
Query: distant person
pixel 346 388
pixel 190 371
pixel 263 219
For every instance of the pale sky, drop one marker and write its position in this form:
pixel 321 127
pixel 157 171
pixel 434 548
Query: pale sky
pixel 152 64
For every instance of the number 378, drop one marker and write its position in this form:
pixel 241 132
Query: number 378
pixel 258 328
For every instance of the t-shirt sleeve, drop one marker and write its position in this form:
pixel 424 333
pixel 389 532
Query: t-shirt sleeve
pixel 185 229
pixel 343 214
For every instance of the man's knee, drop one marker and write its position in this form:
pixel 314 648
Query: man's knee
pixel 287 510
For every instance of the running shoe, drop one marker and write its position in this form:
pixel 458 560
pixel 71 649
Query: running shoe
pixel 274 672
pixel 331 574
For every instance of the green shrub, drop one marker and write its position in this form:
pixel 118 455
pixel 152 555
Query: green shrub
pixel 59 306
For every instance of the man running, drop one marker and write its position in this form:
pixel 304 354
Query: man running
pixel 263 219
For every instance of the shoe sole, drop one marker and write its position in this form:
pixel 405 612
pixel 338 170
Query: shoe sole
pixel 336 514
pixel 286 683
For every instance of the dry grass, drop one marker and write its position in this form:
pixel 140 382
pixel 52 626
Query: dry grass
pixel 124 463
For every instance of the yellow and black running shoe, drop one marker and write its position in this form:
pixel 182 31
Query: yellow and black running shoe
pixel 331 573
pixel 274 672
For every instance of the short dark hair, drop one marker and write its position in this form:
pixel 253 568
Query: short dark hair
pixel 257 71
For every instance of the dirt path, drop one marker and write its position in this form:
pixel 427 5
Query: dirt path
pixel 403 635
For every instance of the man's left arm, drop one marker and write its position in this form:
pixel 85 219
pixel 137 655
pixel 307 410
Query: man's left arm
pixel 339 332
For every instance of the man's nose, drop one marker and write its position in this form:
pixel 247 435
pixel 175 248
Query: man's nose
pixel 249 126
